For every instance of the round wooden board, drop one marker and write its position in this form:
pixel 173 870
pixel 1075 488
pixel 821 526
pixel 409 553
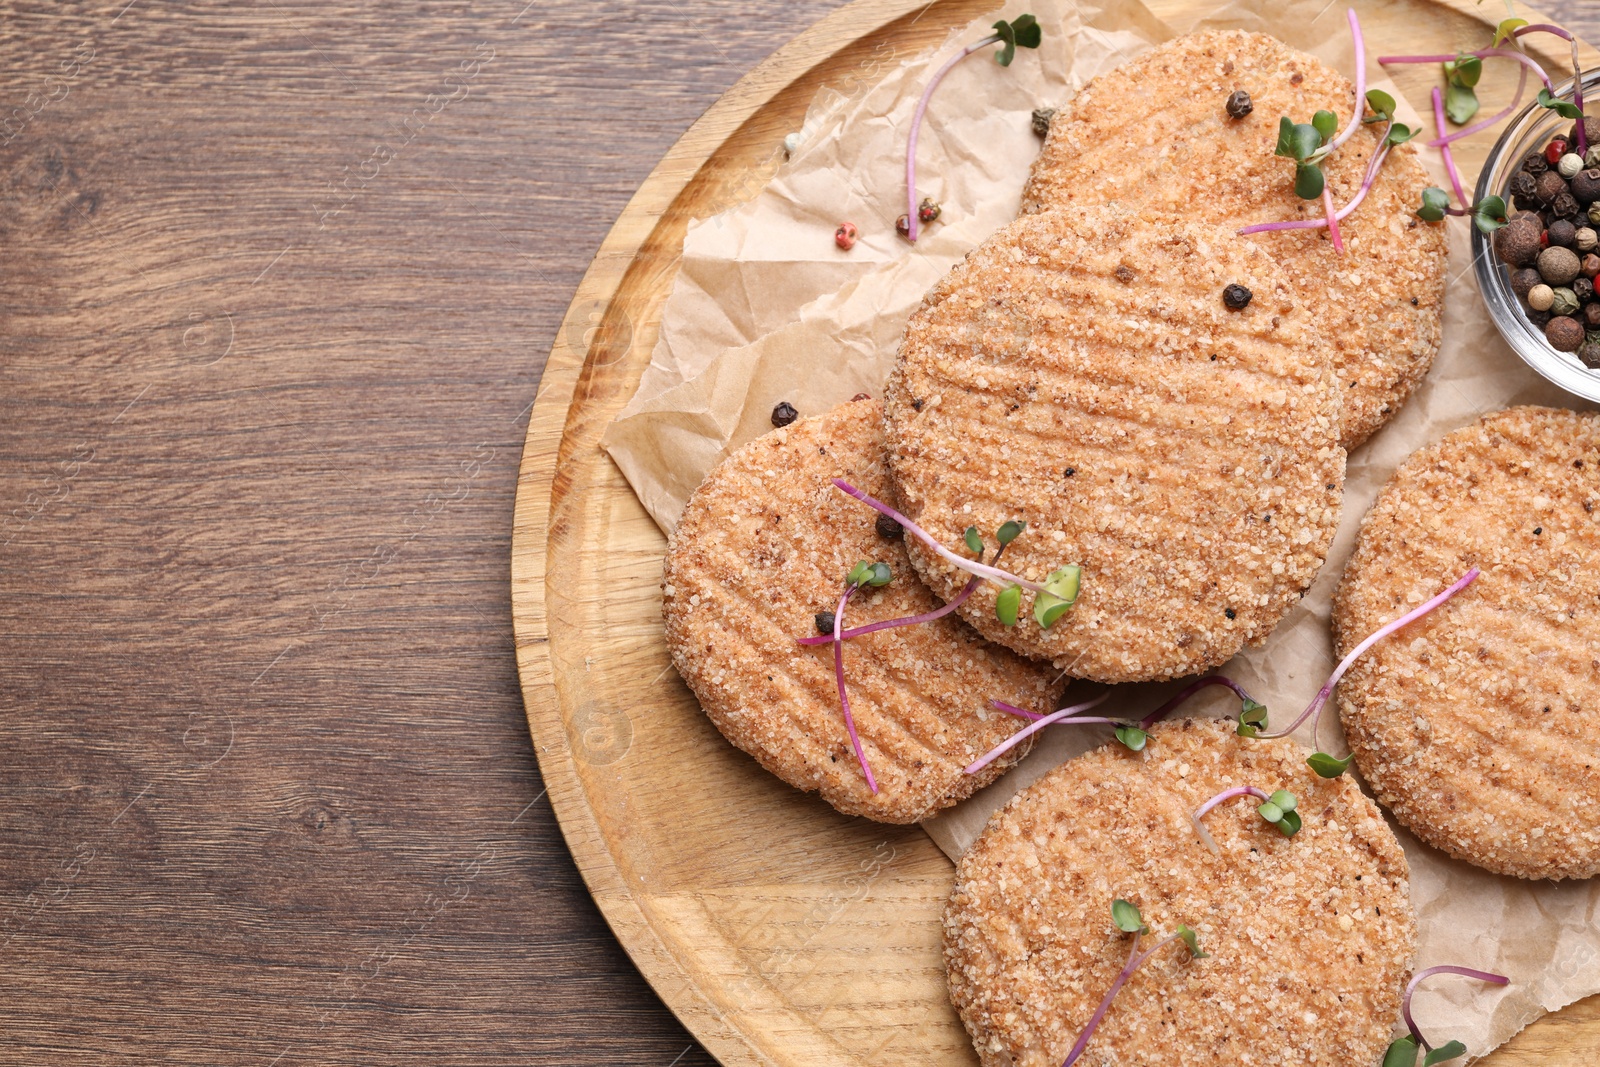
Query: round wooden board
pixel 779 931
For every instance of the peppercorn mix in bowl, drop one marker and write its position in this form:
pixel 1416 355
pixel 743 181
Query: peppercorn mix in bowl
pixel 1537 273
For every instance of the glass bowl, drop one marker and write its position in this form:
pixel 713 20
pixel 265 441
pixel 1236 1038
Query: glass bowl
pixel 1528 132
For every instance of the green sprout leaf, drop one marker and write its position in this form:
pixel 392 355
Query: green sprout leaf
pixel 1285 800
pixel 1565 109
pixel 1326 123
pixel 880 575
pixel 1061 592
pixel 1489 214
pixel 1270 812
pixel 1402 1053
pixel 859 574
pixel 1460 104
pixel 974 542
pixel 1008 604
pixel 1382 105
pixel 1399 133
pixel 1289 825
pixel 1252 717
pixel 1009 531
pixel 1132 738
pixel 1308 181
pixel 1126 918
pixel 1298 142
pixel 1190 938
pixel 1444 1052
pixel 1506 30
pixel 1464 70
pixel 1435 203
pixel 1328 766
pixel 1022 32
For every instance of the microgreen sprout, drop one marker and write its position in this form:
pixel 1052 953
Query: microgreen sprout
pixel 1039 723
pixel 1461 79
pixel 1329 766
pixel 1248 705
pixel 1126 918
pixel 1052 598
pixel 1132 735
pixel 1022 32
pixel 1403 1052
pixel 1277 808
pixel 863 575
pixel 1383 106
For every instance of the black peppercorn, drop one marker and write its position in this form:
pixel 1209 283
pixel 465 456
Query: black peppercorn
pixel 1586 185
pixel 1541 319
pixel 1239 104
pixel 1583 289
pixel 1566 206
pixel 1524 185
pixel 1230 613
pixel 888 529
pixel 1549 186
pixel 1535 163
pixel 1523 280
pixel 1563 233
pixel 902 226
pixel 824 621
pixel 1041 120
pixel 1517 242
pixel 1237 297
pixel 784 414
pixel 1591 316
pixel 1564 334
pixel 1524 203
pixel 1590 354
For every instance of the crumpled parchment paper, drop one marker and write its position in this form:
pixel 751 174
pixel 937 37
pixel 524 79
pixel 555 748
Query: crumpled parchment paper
pixel 765 309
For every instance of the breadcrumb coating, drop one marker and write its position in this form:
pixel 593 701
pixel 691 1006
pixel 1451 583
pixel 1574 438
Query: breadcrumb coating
pixel 763 546
pixel 1310 938
pixel 1080 371
pixel 1153 135
pixel 1478 726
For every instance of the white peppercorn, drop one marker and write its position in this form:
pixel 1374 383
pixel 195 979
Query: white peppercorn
pixel 1586 238
pixel 1540 297
pixel 1569 165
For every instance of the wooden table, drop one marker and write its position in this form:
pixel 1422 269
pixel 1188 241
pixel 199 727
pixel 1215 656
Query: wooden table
pixel 277 281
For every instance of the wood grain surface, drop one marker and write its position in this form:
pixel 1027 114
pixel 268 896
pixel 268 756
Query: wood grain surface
pixel 277 282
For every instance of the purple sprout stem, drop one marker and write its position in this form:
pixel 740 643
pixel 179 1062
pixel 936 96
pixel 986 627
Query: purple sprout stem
pixel 904 620
pixel 1076 720
pixel 1331 219
pixel 1032 728
pixel 1135 961
pixel 1484 124
pixel 844 698
pixel 1188 691
pixel 1444 150
pixel 1465 972
pixel 916 128
pixel 982 570
pixel 1361 82
pixel 1373 166
pixel 1227 795
pixel 1482 53
pixel 1321 699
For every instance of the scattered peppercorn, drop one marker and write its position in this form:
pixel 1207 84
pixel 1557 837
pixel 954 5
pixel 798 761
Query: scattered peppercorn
pixel 1230 613
pixel 845 236
pixel 824 621
pixel 860 396
pixel 1563 233
pixel 1041 120
pixel 1564 334
pixel 1239 105
pixel 1069 472
pixel 1541 319
pixel 928 211
pixel 888 529
pixel 784 414
pixel 902 226
pixel 1583 289
pixel 1237 297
